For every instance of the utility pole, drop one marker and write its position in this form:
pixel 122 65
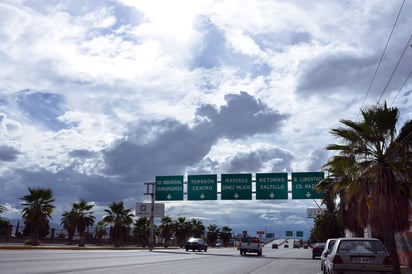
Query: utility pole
pixel 150 190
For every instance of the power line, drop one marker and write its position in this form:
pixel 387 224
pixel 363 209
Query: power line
pixel 399 91
pixel 383 54
pixel 396 67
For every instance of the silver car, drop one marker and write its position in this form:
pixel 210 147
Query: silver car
pixel 326 251
pixel 357 255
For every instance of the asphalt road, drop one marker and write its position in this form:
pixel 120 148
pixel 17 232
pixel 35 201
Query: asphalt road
pixel 215 260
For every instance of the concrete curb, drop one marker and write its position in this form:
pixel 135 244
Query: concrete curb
pixel 73 247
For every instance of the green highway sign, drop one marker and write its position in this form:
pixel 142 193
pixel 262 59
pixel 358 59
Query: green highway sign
pixel 169 188
pixel 289 233
pixel 202 187
pixel 236 187
pixel 303 185
pixel 299 233
pixel 271 186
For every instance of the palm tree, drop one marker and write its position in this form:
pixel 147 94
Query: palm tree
pixel 83 218
pixel 141 231
pixel 212 234
pixel 121 219
pixel 68 221
pixel 198 229
pixel 100 231
pixel 38 210
pixel 182 230
pixel 2 208
pixel 351 211
pixel 383 170
pixel 166 229
pixel 225 235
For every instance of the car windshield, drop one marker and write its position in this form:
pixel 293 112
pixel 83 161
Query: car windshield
pixel 364 247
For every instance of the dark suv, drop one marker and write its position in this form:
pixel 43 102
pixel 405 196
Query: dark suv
pixel 196 244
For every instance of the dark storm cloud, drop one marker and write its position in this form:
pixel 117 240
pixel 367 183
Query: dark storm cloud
pixel 69 186
pixel 242 116
pixel 8 154
pixel 175 146
pixel 254 161
pixel 333 72
pixel 354 73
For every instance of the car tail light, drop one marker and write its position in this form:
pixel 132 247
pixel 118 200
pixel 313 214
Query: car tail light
pixel 337 260
pixel 388 260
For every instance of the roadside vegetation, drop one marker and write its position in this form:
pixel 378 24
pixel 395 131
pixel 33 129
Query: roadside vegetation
pixel 119 224
pixel 369 179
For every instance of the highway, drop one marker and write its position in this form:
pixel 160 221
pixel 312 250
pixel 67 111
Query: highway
pixel 215 260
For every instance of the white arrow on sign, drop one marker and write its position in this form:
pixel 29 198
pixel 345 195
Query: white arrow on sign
pixel 308 194
pixel 236 195
pixel 169 196
pixel 272 195
pixel 202 196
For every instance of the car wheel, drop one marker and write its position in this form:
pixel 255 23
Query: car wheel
pixel 187 250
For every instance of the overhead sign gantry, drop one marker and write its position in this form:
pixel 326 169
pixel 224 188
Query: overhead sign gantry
pixel 268 186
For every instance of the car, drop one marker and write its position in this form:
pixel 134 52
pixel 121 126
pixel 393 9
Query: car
pixel 297 244
pixel 250 244
pixel 325 252
pixel 358 255
pixel 218 244
pixel 317 250
pixel 196 244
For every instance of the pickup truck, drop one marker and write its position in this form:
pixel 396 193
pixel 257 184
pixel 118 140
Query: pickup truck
pixel 251 245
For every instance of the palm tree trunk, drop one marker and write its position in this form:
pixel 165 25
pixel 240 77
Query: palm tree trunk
pixel 35 237
pixel 81 239
pixel 70 236
pixel 390 243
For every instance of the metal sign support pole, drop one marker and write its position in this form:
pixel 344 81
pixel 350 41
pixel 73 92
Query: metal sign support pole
pixel 150 190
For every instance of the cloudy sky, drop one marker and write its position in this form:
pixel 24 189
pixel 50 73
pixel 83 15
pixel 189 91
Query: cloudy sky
pixel 99 97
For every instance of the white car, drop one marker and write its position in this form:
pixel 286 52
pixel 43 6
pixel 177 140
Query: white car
pixel 325 252
pixel 358 255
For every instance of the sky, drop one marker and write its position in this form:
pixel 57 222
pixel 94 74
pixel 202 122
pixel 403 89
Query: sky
pixel 99 97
